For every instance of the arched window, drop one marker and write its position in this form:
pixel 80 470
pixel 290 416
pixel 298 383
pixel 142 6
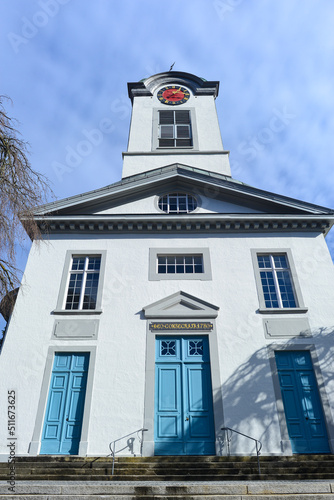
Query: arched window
pixel 177 203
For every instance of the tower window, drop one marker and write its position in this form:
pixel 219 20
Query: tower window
pixel 174 129
pixel 177 203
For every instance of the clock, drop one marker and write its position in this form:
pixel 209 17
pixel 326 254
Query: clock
pixel 173 94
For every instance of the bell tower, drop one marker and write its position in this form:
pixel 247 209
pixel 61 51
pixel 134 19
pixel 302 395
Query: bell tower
pixel 174 120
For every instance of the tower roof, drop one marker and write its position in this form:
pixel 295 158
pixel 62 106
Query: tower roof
pixel 198 85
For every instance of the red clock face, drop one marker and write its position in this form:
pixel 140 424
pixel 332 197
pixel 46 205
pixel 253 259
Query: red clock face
pixel 173 94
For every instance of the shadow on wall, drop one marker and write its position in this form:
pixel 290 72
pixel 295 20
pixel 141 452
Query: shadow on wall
pixel 249 400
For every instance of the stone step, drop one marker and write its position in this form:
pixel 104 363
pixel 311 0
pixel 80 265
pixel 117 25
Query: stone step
pixel 161 461
pixel 173 458
pixel 179 478
pixel 278 469
pixel 168 497
pixel 223 462
pixel 230 468
pixel 175 477
pixel 257 490
pixel 193 465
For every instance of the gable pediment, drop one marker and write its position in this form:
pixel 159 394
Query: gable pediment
pixel 224 205
pixel 180 305
pixel 218 194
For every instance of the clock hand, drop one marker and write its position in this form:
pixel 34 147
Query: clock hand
pixel 176 91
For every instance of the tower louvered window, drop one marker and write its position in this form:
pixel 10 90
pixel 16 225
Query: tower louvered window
pixel 174 129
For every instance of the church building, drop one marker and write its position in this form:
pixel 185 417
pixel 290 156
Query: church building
pixel 175 304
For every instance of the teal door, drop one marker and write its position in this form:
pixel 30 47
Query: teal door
pixel 184 422
pixel 64 411
pixel 302 405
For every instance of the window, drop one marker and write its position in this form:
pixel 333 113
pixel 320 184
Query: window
pixel 167 348
pixel 180 264
pixel 195 348
pixel 83 282
pixel 174 129
pixel 276 281
pixel 177 203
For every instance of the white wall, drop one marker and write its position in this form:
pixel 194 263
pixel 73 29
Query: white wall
pixel 119 380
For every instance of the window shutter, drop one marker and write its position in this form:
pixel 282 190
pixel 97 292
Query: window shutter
pixel 182 117
pixel 167 143
pixel 166 117
pixel 183 132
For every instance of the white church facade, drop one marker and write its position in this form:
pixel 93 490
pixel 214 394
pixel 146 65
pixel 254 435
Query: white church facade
pixel 175 302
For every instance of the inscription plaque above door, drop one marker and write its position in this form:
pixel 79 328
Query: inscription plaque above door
pixel 194 326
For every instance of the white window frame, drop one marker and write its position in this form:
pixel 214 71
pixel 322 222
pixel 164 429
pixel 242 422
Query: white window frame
pixel 61 302
pixel 274 270
pixel 300 307
pixel 84 272
pixel 174 252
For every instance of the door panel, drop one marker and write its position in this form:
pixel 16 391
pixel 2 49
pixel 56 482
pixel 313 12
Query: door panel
pixel 196 389
pixel 168 384
pixel 183 397
pixel 64 413
pixel 302 404
pixel 169 402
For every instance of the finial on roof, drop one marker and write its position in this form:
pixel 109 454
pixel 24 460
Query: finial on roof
pixel 170 69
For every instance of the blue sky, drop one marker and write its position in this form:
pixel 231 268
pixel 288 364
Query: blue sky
pixel 66 63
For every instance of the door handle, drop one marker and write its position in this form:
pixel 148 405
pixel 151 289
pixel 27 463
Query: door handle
pixel 66 419
pixel 187 419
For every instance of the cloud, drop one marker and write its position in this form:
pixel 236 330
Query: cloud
pixel 267 55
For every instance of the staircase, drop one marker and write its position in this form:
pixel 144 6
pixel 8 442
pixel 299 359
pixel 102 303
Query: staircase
pixel 171 468
pixel 231 478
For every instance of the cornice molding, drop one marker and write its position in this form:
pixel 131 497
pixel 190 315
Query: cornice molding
pixel 204 223
pixel 172 152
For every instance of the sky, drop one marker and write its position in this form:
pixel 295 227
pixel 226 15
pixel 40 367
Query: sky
pixel 66 63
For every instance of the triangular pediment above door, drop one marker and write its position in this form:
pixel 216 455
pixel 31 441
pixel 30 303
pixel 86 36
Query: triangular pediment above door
pixel 180 305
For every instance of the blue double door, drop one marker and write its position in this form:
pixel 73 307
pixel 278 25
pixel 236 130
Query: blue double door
pixel 65 406
pixel 302 404
pixel 184 423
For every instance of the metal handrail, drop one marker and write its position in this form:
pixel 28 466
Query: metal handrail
pixel 257 443
pixel 113 451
